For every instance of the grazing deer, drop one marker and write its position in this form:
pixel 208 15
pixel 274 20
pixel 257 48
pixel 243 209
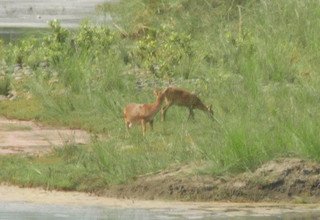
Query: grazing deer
pixel 181 97
pixel 142 113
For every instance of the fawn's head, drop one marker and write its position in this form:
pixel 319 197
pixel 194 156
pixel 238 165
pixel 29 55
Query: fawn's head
pixel 158 94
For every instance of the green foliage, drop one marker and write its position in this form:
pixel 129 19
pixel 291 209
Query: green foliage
pixel 4 85
pixel 255 61
pixel 94 38
pixel 33 51
pixel 162 51
pixel 59 34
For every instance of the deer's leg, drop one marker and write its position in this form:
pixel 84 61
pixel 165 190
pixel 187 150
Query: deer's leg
pixel 143 124
pixel 191 114
pixel 164 111
pixel 210 112
pixel 127 128
pixel 128 125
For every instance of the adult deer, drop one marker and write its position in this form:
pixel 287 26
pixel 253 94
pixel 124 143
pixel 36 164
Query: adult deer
pixel 181 97
pixel 142 113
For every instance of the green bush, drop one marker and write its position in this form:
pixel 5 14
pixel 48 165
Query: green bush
pixel 162 51
pixel 5 83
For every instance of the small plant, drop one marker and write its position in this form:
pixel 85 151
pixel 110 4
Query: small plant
pixel 94 38
pixel 5 83
pixel 161 51
pixel 59 34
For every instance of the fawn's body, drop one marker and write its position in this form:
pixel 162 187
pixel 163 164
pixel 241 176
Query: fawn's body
pixel 142 113
pixel 181 97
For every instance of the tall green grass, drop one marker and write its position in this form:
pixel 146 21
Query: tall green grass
pixel 255 61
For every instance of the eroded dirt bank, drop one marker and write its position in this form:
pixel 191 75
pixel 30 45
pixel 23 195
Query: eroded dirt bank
pixel 286 180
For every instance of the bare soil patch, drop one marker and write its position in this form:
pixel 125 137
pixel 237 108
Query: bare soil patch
pixel 282 180
pixel 30 138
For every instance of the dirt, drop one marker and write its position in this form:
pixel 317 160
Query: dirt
pixel 283 180
pixel 26 137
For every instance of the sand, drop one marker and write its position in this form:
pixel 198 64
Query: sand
pixel 28 137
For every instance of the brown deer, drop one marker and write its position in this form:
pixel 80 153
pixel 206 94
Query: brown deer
pixel 181 97
pixel 142 113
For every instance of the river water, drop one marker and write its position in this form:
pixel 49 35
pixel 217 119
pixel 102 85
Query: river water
pixel 37 13
pixel 19 17
pixel 32 211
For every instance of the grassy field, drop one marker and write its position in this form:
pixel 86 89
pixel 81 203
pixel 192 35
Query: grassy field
pixel 256 62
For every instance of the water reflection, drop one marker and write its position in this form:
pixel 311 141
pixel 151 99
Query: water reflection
pixel 30 211
pixel 8 34
pixel 25 17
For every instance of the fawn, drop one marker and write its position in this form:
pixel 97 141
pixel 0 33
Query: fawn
pixel 142 113
pixel 181 97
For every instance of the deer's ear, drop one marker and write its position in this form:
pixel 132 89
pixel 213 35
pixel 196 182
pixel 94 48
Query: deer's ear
pixel 157 92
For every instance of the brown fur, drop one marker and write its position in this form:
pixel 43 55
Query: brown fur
pixel 142 113
pixel 181 97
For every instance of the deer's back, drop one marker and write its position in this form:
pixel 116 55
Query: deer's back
pixel 136 112
pixel 181 97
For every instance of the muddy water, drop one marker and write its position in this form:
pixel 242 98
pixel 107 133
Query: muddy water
pixel 30 211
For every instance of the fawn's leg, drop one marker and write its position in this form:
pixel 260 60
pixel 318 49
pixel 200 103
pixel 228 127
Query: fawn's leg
pixel 128 125
pixel 143 124
pixel 127 128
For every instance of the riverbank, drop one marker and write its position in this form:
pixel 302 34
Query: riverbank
pixel 283 180
pixel 290 180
